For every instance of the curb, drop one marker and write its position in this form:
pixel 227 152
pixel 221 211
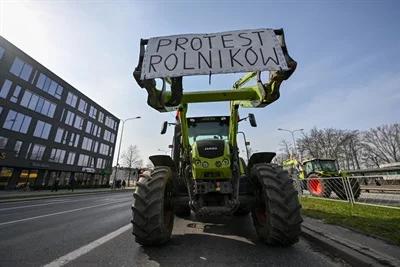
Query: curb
pixel 353 253
pixel 48 196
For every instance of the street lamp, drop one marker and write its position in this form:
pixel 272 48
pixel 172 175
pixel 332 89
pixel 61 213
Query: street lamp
pixel 294 141
pixel 246 144
pixel 162 150
pixel 120 141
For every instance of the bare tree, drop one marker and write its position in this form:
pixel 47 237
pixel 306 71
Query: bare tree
pixel 382 144
pixel 131 159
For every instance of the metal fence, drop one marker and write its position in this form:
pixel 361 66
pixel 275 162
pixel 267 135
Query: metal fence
pixel 372 190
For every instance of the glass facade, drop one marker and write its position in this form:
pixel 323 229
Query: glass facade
pixel 48 128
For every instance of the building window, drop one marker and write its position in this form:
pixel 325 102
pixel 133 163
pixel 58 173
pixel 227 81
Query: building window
pixel 107 135
pixel 5 89
pixel 71 158
pixel 109 122
pixel 96 144
pixel 88 127
pixel 101 117
pixel 38 104
pixel 100 163
pixel 87 143
pixel 104 149
pixel 71 99
pixel 57 155
pixel 49 86
pixel 65 137
pixel 76 140
pixel 82 106
pixel 42 130
pixel 17 122
pixel 17 147
pixel 78 122
pixel 21 69
pixel 69 119
pixel 3 142
pixel 37 152
pixel 92 112
pixel 83 160
pixel 14 97
pixel 2 52
pixel 59 135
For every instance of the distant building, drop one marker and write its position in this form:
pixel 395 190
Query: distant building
pixel 49 129
pixel 124 173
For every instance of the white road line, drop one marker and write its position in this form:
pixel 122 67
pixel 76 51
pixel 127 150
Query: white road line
pixel 55 202
pixel 37 205
pixel 87 248
pixel 57 213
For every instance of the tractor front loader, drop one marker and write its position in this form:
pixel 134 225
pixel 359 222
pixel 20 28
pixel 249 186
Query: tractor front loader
pixel 205 174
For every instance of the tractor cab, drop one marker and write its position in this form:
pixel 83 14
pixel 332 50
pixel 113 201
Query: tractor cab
pixel 323 167
pixel 208 138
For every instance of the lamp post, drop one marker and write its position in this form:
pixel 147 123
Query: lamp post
pixel 294 141
pixel 245 144
pixel 162 150
pixel 120 141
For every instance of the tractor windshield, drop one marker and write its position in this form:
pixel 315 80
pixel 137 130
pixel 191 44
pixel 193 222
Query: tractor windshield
pixel 208 128
pixel 325 165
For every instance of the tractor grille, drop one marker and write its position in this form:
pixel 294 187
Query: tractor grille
pixel 210 148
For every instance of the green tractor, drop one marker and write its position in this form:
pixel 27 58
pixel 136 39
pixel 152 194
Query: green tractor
pixel 318 172
pixel 205 173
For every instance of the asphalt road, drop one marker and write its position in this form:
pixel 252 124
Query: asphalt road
pixel 93 230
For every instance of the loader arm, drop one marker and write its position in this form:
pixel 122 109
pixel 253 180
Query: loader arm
pixel 255 96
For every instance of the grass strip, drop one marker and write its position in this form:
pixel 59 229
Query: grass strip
pixel 372 220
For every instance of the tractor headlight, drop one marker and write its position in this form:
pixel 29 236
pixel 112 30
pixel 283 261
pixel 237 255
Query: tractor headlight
pixel 204 164
pixel 225 162
pixel 197 162
pixel 218 164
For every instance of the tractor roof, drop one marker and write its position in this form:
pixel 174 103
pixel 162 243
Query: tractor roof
pixel 315 159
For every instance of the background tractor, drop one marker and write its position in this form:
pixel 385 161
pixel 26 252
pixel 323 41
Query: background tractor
pixel 205 173
pixel 321 177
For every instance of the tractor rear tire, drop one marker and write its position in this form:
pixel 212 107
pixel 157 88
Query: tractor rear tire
pixel 341 192
pixel 276 213
pixel 152 209
pixel 182 211
pixel 318 187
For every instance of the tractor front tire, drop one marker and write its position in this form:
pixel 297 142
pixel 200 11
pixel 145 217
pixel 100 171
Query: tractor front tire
pixel 276 214
pixel 152 209
pixel 318 187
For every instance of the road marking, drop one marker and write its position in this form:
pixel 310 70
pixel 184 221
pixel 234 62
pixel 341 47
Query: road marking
pixel 37 205
pixel 87 248
pixel 56 202
pixel 57 213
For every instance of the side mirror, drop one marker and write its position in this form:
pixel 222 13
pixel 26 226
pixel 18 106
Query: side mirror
pixel 252 120
pixel 170 146
pixel 247 143
pixel 164 127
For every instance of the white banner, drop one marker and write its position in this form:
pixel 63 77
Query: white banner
pixel 203 54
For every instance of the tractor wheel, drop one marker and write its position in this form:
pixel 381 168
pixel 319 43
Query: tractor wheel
pixel 341 192
pixel 182 210
pixel 242 211
pixel 318 187
pixel 276 213
pixel 152 209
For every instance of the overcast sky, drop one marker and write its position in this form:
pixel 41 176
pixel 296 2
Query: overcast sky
pixel 348 73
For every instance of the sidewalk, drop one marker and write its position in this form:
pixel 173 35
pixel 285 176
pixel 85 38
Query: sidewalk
pixel 14 195
pixel 357 249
